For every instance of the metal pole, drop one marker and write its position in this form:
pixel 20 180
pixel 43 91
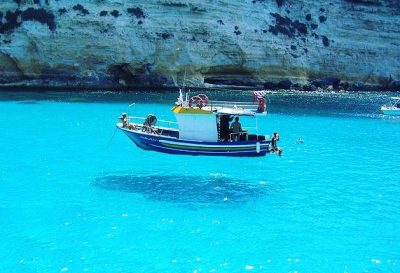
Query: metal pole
pixel 256 125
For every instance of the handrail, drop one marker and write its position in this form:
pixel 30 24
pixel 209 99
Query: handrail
pixel 158 120
pixel 233 105
pixel 232 102
pixel 245 133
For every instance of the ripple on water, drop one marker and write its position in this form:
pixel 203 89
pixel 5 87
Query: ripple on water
pixel 185 189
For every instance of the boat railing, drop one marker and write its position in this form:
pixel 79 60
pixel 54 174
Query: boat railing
pixel 168 123
pixel 249 128
pixel 232 104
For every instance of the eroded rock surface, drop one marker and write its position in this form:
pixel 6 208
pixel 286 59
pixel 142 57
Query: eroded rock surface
pixel 113 43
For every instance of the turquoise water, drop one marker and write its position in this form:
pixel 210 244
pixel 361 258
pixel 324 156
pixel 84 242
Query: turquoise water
pixel 76 196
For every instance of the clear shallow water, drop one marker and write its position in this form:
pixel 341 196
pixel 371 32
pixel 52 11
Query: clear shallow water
pixel 75 197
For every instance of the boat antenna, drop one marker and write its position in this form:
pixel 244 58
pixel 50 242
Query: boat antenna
pixel 183 84
pixel 182 92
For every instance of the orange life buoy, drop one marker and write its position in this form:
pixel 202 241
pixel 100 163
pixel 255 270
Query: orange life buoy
pixel 196 100
pixel 204 99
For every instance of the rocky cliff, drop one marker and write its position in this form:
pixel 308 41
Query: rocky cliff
pixel 95 43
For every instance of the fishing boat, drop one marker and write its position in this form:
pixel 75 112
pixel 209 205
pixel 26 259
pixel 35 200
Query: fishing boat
pixel 392 108
pixel 202 127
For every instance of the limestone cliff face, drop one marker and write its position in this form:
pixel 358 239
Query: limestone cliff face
pixel 220 42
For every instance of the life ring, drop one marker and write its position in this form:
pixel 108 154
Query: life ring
pixel 196 100
pixel 204 99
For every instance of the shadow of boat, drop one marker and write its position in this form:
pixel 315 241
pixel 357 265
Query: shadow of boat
pixel 185 189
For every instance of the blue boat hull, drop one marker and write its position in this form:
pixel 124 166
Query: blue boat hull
pixel 173 145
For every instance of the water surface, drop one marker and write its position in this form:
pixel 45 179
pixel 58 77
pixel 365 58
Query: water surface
pixel 77 196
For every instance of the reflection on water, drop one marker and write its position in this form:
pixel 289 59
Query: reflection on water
pixel 185 189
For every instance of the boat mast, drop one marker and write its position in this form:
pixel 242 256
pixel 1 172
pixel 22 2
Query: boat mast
pixel 256 125
pixel 185 95
pixel 182 99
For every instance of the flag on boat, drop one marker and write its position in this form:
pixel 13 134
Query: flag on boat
pixel 260 97
pixel 259 94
